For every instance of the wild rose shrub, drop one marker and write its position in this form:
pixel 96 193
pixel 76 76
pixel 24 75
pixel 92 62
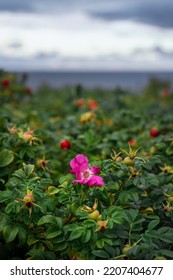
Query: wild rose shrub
pixel 107 195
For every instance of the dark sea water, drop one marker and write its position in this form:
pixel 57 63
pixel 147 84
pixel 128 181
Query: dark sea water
pixel 133 81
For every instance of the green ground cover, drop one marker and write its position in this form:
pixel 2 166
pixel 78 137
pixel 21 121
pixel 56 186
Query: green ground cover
pixel 126 140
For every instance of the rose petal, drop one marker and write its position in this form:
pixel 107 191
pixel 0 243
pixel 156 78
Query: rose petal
pixel 79 163
pixel 95 181
pixel 95 169
pixel 81 181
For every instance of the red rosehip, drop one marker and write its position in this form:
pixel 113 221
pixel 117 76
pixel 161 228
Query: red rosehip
pixel 65 144
pixel 92 104
pixel 132 142
pixel 167 208
pixel 166 92
pixel 79 102
pixel 28 90
pixel 118 159
pixel 5 83
pixel 27 135
pixel 154 132
pixel 28 198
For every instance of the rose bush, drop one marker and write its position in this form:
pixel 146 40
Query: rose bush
pixel 105 193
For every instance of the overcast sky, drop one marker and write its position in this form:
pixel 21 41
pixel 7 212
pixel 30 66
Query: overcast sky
pixel 102 35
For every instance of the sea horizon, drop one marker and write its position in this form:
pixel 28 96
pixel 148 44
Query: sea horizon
pixel 128 80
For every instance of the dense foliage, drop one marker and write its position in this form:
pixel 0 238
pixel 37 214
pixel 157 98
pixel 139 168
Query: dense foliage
pixel 125 138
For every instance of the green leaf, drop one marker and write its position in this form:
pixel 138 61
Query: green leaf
pixel 139 220
pixel 152 180
pixel 9 208
pixel 131 215
pixel 147 166
pixel 29 169
pixel 89 223
pixel 52 232
pixel 65 180
pixel 6 157
pixel 50 219
pixel 5 196
pixel 165 234
pixel 76 234
pixel 110 249
pixel 153 224
pixel 101 254
pixel 86 236
pixel 36 254
pixel 30 153
pixel 22 236
pixel 108 241
pixel 117 218
pixel 63 197
pixel 49 244
pixel 12 182
pixel 20 174
pixel 100 243
pixel 61 246
pixel 32 240
pixel 3 222
pixel 10 233
pixel 166 253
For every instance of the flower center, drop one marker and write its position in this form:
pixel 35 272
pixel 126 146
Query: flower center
pixel 86 174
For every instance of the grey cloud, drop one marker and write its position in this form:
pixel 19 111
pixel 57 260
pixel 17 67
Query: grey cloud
pixel 48 5
pixel 16 6
pixel 73 5
pixel 156 14
pixel 46 55
pixel 139 59
pixel 15 45
pixel 162 53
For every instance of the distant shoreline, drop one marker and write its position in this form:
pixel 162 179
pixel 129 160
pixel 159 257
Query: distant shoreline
pixel 128 80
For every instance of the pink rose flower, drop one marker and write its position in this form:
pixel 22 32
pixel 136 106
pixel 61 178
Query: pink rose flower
pixel 85 174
